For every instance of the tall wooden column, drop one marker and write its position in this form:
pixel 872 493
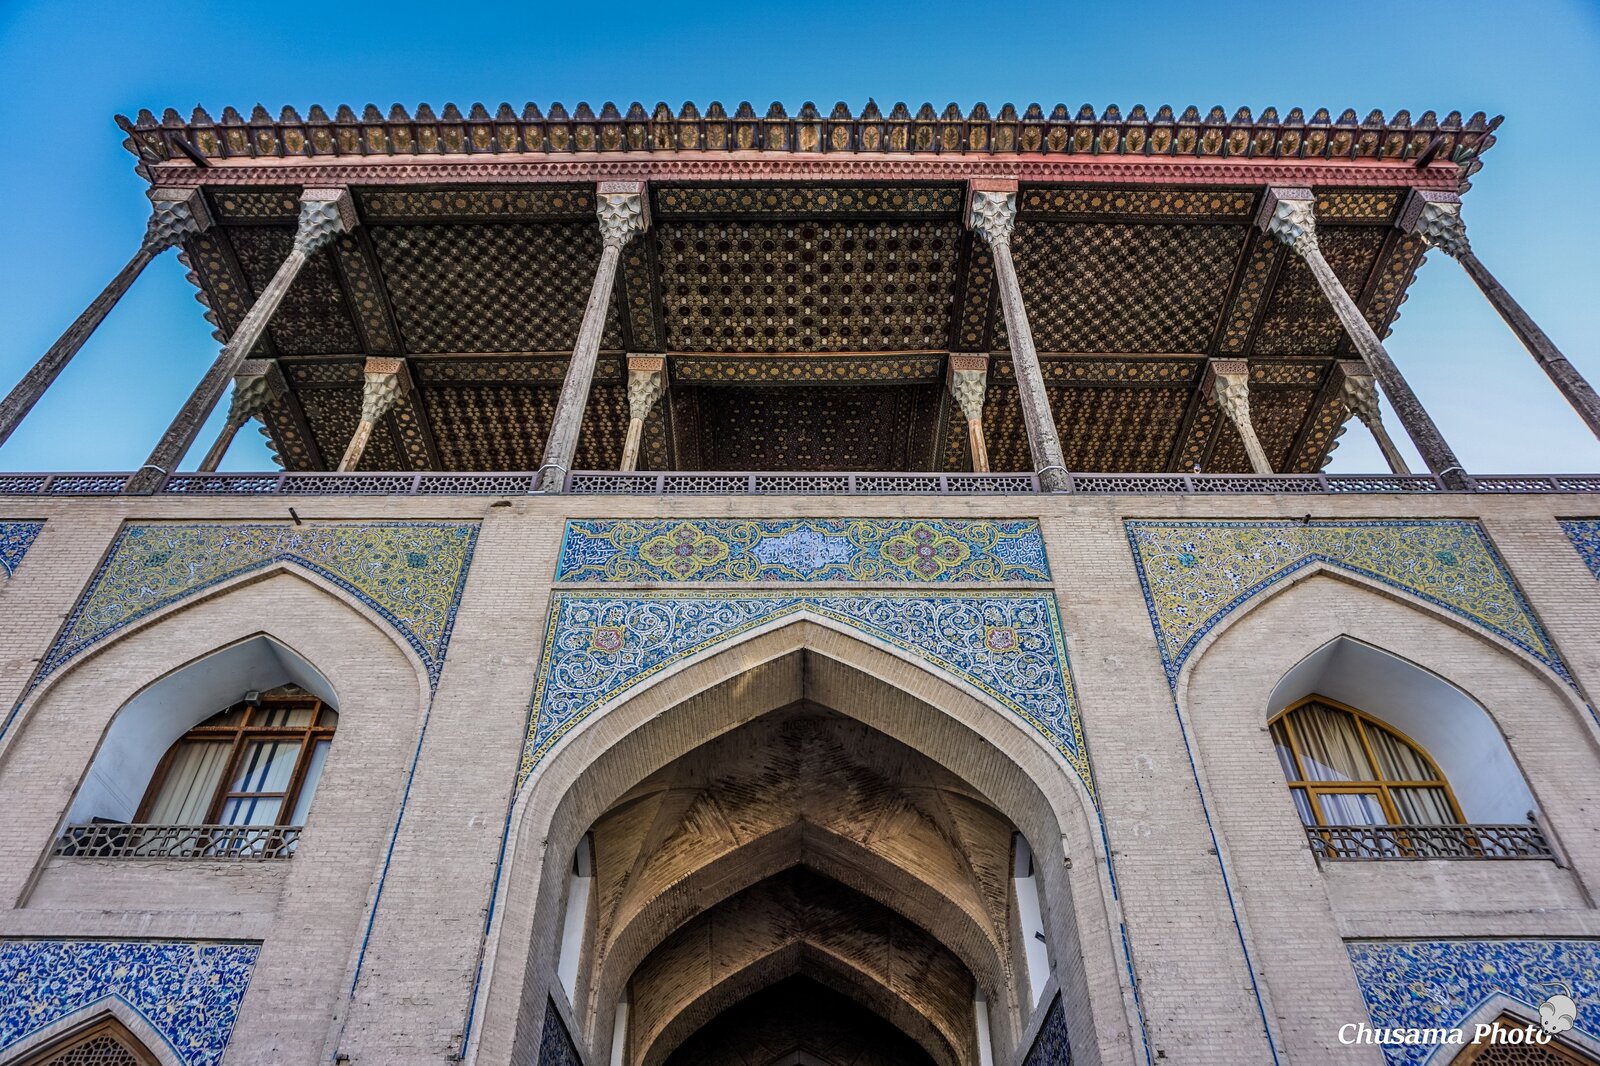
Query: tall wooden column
pixel 384 384
pixel 992 217
pixel 1359 394
pixel 968 382
pixel 623 212
pixel 1227 381
pixel 324 214
pixel 1436 216
pixel 1287 215
pixel 174 214
pixel 254 388
pixel 646 378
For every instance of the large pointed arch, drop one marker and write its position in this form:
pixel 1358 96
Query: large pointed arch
pixel 113 1012
pixel 739 679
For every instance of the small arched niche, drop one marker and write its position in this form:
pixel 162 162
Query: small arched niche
pixel 150 723
pixel 1450 725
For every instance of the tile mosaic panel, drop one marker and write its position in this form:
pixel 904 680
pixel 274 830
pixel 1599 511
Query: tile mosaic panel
pixel 803 549
pixel 410 573
pixel 1438 984
pixel 188 991
pixel 1196 573
pixel 1050 1047
pixel 555 1045
pixel 15 540
pixel 1584 534
pixel 1008 645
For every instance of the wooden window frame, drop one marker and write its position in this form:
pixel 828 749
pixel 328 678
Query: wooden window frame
pixel 103 1026
pixel 240 737
pixel 1377 785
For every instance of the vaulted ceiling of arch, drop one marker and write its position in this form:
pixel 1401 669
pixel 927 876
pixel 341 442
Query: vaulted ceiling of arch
pixel 804 786
pixel 819 314
pixel 801 922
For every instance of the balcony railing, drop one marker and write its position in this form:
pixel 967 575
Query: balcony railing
pixel 1369 842
pixel 123 840
pixel 711 483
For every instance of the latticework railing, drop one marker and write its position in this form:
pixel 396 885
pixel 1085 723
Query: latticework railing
pixel 123 840
pixel 800 483
pixel 1376 842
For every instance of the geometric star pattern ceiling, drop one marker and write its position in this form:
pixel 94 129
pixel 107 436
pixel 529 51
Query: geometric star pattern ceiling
pixel 806 325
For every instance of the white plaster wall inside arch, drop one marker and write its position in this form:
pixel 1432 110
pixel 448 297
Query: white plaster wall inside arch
pixel 1448 723
pixel 152 721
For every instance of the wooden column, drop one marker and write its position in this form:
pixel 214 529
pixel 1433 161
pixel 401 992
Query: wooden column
pixel 1227 381
pixel 174 214
pixel 646 379
pixel 623 212
pixel 258 382
pixel 1436 216
pixel 324 214
pixel 385 384
pixel 1287 215
pixel 968 382
pixel 993 214
pixel 1359 394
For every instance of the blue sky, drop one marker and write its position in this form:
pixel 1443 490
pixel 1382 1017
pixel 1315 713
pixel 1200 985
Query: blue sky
pixel 76 210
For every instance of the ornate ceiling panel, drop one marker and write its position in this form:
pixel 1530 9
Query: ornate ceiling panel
pixel 314 318
pixel 820 286
pixel 856 427
pixel 501 287
pixel 1298 319
pixel 503 427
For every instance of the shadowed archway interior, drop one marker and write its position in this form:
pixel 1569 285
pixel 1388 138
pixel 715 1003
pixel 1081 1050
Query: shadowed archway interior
pixel 806 889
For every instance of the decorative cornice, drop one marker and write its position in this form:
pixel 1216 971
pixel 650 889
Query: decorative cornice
pixel 758 166
pixel 1396 139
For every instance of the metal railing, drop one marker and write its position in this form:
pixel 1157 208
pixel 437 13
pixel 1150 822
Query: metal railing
pixel 124 840
pixel 1377 842
pixel 712 483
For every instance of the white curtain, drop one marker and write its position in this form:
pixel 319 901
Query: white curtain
pixel 191 783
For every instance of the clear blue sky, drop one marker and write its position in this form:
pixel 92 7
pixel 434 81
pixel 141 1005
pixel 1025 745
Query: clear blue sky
pixel 77 211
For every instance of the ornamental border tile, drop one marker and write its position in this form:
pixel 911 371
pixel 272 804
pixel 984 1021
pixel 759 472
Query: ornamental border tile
pixel 423 614
pixel 1007 644
pixel 1434 984
pixel 16 538
pixel 1584 533
pixel 894 550
pixel 1184 610
pixel 188 991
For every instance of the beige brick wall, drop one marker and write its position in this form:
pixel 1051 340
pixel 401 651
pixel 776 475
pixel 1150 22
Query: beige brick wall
pixel 427 944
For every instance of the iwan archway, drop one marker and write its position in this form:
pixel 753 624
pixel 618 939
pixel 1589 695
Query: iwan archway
pixel 795 830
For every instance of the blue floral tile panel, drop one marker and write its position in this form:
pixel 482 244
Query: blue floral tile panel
pixel 1008 645
pixel 922 550
pixel 1050 1047
pixel 1440 984
pixel 188 991
pixel 555 1045
pixel 15 540
pixel 1194 574
pixel 1585 536
pixel 410 573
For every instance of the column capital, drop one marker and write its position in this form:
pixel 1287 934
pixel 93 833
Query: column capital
pixel 384 382
pixel 1289 215
pixel 174 215
pixel 257 384
pixel 646 378
pixel 968 382
pixel 324 214
pixel 1358 390
pixel 993 214
pixel 1436 218
pixel 624 211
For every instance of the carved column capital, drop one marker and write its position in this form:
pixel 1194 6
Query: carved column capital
pixel 968 381
pixel 1289 215
pixel 255 386
pixel 646 376
pixel 1358 391
pixel 1436 218
pixel 174 215
pixel 993 215
pixel 324 214
pixel 1227 381
pixel 383 384
pixel 623 211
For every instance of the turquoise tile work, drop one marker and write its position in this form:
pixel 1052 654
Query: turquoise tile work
pixel 1194 574
pixel 1439 984
pixel 920 550
pixel 410 573
pixel 188 991
pixel 15 540
pixel 1008 645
